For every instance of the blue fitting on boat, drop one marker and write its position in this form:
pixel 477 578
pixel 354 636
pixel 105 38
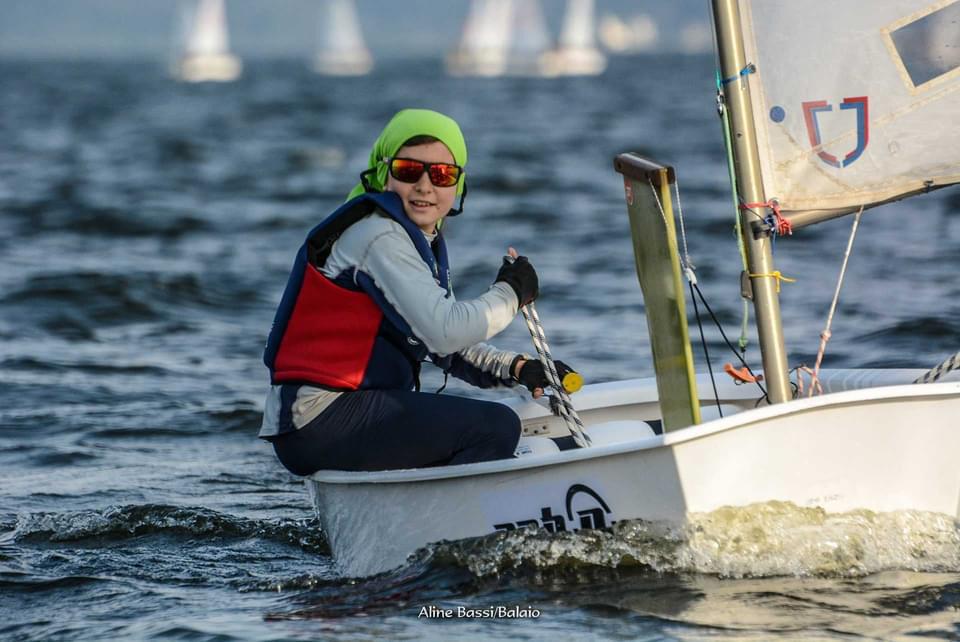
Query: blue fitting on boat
pixel 746 71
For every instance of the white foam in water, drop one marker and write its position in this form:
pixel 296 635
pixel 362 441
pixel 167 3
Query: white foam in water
pixel 761 540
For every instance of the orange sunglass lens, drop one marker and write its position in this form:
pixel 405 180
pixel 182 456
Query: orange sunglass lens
pixel 443 175
pixel 408 171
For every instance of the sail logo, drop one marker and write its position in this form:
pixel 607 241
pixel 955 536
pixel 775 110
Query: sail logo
pixel 813 109
pixel 584 509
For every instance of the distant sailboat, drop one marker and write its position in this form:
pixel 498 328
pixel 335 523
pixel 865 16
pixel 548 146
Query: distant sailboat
pixel 577 54
pixel 484 46
pixel 342 51
pixel 206 53
pixel 640 33
pixel 530 41
pixel 502 38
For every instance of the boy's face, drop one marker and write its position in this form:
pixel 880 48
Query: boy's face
pixel 424 202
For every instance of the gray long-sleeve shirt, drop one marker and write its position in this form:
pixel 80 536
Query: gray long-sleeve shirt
pixel 380 247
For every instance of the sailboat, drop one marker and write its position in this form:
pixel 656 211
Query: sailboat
pixel 809 143
pixel 529 42
pixel 577 54
pixel 342 51
pixel 640 33
pixel 206 53
pixel 484 46
pixel 502 38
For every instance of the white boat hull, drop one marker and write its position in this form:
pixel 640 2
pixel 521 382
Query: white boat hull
pixel 882 449
pixel 208 68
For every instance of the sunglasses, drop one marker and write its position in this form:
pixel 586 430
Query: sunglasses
pixel 408 170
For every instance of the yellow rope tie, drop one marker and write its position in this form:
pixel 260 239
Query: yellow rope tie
pixel 776 274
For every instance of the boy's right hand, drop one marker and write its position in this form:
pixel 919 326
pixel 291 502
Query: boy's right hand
pixel 520 275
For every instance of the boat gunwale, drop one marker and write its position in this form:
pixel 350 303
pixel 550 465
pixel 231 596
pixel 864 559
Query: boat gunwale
pixel 739 420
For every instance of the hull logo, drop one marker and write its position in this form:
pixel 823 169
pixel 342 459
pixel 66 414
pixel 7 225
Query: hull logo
pixel 814 108
pixel 584 508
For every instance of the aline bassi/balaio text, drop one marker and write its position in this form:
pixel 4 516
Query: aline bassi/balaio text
pixel 490 612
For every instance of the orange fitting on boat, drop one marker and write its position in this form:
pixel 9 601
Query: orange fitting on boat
pixel 741 375
pixel 782 226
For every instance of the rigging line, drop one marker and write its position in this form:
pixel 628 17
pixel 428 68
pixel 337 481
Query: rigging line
pixel 743 339
pixel 688 271
pixel 746 208
pixel 663 214
pixel 683 228
pixel 691 281
pixel 726 340
pixel 825 335
pixel 706 352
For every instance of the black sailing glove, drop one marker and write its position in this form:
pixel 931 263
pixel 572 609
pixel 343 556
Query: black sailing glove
pixel 520 276
pixel 533 376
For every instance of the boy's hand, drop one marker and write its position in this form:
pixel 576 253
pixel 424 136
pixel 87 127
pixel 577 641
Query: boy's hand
pixel 520 275
pixel 532 375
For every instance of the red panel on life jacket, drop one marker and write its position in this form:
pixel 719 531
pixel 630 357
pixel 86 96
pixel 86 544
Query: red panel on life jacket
pixel 330 335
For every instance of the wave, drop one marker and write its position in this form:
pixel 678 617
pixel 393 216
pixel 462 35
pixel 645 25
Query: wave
pixel 90 367
pixel 244 419
pixel 120 523
pixel 916 328
pixel 762 540
pixel 31 583
pixel 70 213
pixel 72 304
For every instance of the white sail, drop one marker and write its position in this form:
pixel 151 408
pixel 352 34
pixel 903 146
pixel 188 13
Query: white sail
pixel 342 51
pixel 577 54
pixel 209 33
pixel 529 41
pixel 206 51
pixel 503 37
pixel 853 107
pixel 484 47
pixel 578 25
pixel 618 36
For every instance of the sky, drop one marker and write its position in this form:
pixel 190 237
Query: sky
pixel 274 28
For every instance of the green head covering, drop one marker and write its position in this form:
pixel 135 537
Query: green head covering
pixel 401 128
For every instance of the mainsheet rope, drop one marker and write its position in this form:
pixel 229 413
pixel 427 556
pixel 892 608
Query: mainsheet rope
pixel 952 363
pixel 564 406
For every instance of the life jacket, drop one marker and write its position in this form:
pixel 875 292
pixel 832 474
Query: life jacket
pixel 342 333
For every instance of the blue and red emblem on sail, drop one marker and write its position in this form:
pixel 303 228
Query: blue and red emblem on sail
pixel 812 108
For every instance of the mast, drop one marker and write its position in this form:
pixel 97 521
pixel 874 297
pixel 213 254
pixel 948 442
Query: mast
pixel 766 301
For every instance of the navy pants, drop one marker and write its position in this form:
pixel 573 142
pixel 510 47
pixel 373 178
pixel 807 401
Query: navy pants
pixel 391 429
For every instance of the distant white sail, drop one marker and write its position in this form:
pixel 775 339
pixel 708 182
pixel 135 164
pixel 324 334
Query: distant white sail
pixel 578 25
pixel 502 37
pixel 640 33
pixel 529 40
pixel 484 47
pixel 209 34
pixel 853 107
pixel 342 51
pixel 206 51
pixel 577 54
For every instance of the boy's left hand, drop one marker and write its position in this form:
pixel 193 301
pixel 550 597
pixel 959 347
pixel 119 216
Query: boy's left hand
pixel 532 375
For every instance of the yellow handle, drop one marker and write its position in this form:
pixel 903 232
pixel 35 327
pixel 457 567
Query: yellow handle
pixel 572 381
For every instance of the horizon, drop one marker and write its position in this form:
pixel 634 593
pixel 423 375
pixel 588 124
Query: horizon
pixel 280 29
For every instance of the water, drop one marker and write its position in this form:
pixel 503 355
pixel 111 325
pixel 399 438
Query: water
pixel 146 230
